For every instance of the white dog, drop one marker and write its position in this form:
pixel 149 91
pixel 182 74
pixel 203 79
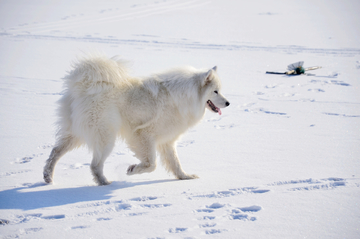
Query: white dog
pixel 102 102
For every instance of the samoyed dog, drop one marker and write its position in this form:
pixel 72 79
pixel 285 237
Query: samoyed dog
pixel 102 101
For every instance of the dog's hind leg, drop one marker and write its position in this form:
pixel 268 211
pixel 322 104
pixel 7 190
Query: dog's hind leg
pixel 100 153
pixel 171 161
pixel 145 151
pixel 62 146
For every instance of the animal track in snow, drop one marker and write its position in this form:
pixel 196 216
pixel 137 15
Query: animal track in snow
pixel 155 205
pixel 185 143
pixel 52 217
pixel 271 112
pixel 291 185
pixel 205 210
pixel 98 203
pixel 214 231
pixel 46 146
pixel 214 119
pixel 250 209
pixel 230 211
pixel 268 112
pixel 79 165
pixel 357 64
pixel 30 217
pixel 26 231
pixel 311 184
pixel 208 218
pixel 143 198
pixel 318 90
pixel 222 127
pixel 237 214
pixel 331 82
pixel 103 219
pixel 207 225
pixel 79 227
pixel 222 212
pixel 335 82
pixel 27 159
pixel 177 229
pixel 130 207
pixel 342 115
pixel 13 173
pixel 230 193
pixel 216 205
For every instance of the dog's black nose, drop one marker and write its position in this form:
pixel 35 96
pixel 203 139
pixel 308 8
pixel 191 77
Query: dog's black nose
pixel 227 103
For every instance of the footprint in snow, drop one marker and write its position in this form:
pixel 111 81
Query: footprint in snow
pixel 78 165
pixel 46 146
pixel 156 205
pixel 357 65
pixel 208 218
pixel 14 173
pixel 214 119
pixel 241 213
pixel 36 216
pixel 225 212
pixel 230 193
pixel 214 231
pixel 143 198
pixel 316 90
pixel 177 229
pixel 271 112
pixel 311 184
pixel 185 143
pixel 341 115
pixel 207 225
pixel 103 219
pixel 27 159
pixel 222 127
pixel 79 227
pixel 265 111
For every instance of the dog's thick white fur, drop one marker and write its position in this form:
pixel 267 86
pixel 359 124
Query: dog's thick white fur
pixel 102 102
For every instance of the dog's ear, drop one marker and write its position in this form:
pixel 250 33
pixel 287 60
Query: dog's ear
pixel 208 75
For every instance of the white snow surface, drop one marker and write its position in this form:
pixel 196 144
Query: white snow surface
pixel 283 161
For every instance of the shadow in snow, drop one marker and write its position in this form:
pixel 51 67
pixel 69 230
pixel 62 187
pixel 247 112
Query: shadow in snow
pixel 42 195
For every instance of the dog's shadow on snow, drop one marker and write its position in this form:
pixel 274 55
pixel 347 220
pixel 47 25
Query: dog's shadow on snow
pixel 41 195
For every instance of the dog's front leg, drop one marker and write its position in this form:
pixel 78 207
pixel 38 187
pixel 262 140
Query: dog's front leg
pixel 171 161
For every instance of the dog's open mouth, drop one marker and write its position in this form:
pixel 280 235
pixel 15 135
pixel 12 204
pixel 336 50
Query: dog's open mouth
pixel 213 107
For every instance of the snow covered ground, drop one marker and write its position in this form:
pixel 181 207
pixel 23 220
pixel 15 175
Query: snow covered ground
pixel 283 161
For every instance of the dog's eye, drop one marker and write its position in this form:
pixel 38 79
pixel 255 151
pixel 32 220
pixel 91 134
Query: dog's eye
pixel 215 92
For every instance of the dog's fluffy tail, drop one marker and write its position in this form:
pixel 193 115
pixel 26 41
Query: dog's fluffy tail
pixel 94 73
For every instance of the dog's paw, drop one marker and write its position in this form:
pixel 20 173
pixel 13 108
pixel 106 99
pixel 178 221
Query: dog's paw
pixel 101 181
pixel 187 176
pixel 104 182
pixel 47 178
pixel 130 169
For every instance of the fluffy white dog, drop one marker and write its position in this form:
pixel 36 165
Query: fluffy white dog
pixel 102 102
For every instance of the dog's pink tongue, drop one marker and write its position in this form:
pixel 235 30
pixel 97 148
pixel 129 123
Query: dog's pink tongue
pixel 219 111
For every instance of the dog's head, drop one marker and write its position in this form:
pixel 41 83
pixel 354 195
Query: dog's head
pixel 215 100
